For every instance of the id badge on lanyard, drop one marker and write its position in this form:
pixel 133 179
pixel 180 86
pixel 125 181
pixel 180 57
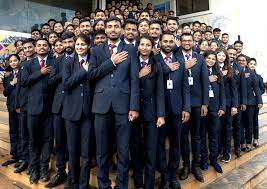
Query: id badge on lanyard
pixel 190 78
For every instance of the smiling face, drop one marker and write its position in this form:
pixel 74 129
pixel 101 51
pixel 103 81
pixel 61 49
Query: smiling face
pixel 145 47
pixel 28 49
pixel 143 28
pixel 42 47
pixel 252 64
pixel 172 25
pixel 81 47
pixel 187 42
pixel 13 62
pixel 221 57
pixel 167 43
pixel 113 30
pixel 210 60
pixel 130 32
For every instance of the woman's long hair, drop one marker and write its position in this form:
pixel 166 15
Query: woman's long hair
pixel 215 67
pixel 227 64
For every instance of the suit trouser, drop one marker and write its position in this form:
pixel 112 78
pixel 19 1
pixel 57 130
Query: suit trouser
pixel 40 140
pixel 248 123
pixel 194 126
pixel 78 139
pixel 103 127
pixel 24 136
pixel 237 129
pixel 61 142
pixel 225 132
pixel 14 134
pixel 211 126
pixel 150 150
pixel 256 124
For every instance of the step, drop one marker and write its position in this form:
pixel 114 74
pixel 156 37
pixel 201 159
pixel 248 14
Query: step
pixel 262 185
pixel 6 183
pixel 245 176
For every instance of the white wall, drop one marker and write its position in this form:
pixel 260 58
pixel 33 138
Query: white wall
pixel 241 17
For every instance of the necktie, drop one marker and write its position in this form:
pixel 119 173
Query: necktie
pixel 15 73
pixel 210 72
pixel 167 59
pixel 111 47
pixel 188 56
pixel 143 64
pixel 81 63
pixel 42 63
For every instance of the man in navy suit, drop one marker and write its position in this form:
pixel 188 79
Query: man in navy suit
pixel 155 31
pixel 35 76
pixel 55 80
pixel 177 100
pixel 131 32
pixel 114 67
pixel 21 106
pixel 198 80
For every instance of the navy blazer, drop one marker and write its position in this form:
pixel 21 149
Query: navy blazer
pixel 21 98
pixel 40 94
pixel 55 80
pixel 240 83
pixel 152 100
pixel 10 93
pixel 78 91
pixel 117 86
pixel 178 98
pixel 218 102
pixel 199 91
pixel 231 92
pixel 261 84
pixel 253 89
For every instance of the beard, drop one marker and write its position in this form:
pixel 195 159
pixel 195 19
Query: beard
pixel 69 50
pixel 166 51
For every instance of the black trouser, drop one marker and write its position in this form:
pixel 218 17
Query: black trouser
pixel 40 134
pixel 24 136
pixel 14 134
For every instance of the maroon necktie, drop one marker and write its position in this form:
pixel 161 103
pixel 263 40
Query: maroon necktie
pixel 111 47
pixel 42 63
pixel 81 63
pixel 188 56
pixel 168 59
pixel 143 64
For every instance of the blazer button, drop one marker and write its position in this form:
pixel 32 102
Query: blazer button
pixel 111 75
pixel 62 92
pixel 82 94
pixel 81 85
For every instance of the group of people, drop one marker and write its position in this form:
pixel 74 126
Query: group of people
pixel 121 81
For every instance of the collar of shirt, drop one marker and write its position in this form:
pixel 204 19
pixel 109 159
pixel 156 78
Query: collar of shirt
pixel 221 64
pixel 69 55
pixel 156 42
pixel 142 60
pixel 84 58
pixel 116 44
pixel 39 59
pixel 191 54
pixel 128 42
pixel 164 55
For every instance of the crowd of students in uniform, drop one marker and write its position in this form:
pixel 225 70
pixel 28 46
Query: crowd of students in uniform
pixel 118 83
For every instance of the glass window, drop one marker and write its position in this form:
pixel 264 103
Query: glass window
pixel 191 6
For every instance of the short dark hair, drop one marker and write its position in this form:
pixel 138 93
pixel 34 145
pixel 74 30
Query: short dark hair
pixel 57 22
pixel 51 19
pixel 145 10
pixel 16 55
pixel 75 18
pixel 173 18
pixel 99 10
pixel 244 56
pixel 16 42
pixel 112 18
pixel 238 41
pixel 35 29
pixel 197 31
pixel 98 32
pixel 165 33
pixel 196 22
pixel 77 12
pixel 130 21
pixel 41 39
pixel 253 59
pixel 58 40
pixel 231 47
pixel 45 24
pixel 28 40
pixel 186 34
pixel 208 31
pixel 225 34
pixel 185 24
pixel 84 20
pixel 216 30
pixel 67 35
pixel 156 22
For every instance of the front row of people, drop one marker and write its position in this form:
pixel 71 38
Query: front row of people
pixel 123 97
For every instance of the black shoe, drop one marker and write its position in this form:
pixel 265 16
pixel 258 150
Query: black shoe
pixel 44 175
pixel 57 180
pixel 164 185
pixel 255 144
pixel 198 174
pixel 243 149
pixel 28 171
pixel 174 184
pixel 204 166
pixel 184 174
pixel 23 166
pixel 68 184
pixel 9 162
pixel 35 176
pixel 226 158
pixel 238 153
pixel 217 167
pixel 17 164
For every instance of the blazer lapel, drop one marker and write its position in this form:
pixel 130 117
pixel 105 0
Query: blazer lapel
pixel 106 50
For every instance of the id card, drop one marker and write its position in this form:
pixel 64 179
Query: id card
pixel 169 84
pixel 191 80
pixel 211 94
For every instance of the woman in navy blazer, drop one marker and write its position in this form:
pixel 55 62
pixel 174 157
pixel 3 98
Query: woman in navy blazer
pixel 77 112
pixel 9 84
pixel 216 108
pixel 152 113
pixel 231 105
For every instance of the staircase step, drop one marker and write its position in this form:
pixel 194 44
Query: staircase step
pixel 6 183
pixel 246 176
pixel 262 185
